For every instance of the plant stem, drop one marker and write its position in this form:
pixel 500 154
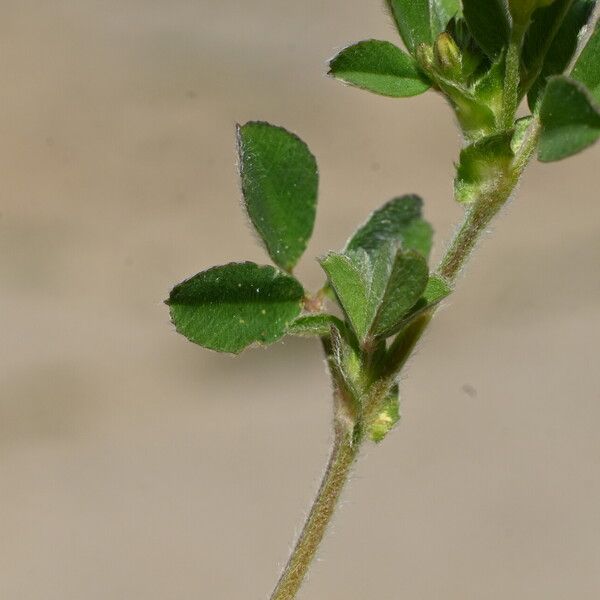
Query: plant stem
pixel 343 454
pixel 464 242
pixel 510 99
pixel 345 448
pixel 479 215
pixel 477 218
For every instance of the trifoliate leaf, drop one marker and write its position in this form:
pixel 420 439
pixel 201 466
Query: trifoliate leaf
pixel 489 23
pixel 387 417
pixel 551 41
pixel 317 325
pixel 406 283
pixel 231 307
pixel 570 119
pixel 400 220
pixel 279 185
pixel 379 67
pixel 376 290
pixel 587 67
pixel 482 165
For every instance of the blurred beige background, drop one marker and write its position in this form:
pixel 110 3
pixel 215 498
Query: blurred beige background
pixel 135 465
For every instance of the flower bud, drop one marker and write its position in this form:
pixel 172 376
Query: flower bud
pixel 447 56
pixel 424 56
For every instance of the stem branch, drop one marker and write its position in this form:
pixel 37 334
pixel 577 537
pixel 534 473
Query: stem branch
pixel 485 208
pixel 345 448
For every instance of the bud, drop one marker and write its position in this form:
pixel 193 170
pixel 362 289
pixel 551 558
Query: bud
pixel 424 56
pixel 447 56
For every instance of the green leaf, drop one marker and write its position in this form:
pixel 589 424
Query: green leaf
pixel 570 119
pixel 441 13
pixel 405 285
pixel 400 220
pixel 317 325
pixel 420 21
pixel 376 291
pixel 437 289
pixel 279 185
pixel 387 417
pixel 231 307
pixel 587 67
pixel 379 67
pixel 489 23
pixel 482 165
pixel 542 59
pixel 351 282
pixel 413 19
pixel 521 10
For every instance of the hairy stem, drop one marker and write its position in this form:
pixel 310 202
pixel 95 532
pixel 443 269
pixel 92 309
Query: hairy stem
pixel 345 448
pixel 510 99
pixel 477 218
pixel 343 454
pixel 479 215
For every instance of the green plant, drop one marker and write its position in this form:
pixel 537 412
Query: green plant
pixel 484 57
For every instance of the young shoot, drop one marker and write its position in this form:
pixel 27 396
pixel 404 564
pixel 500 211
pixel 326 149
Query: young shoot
pixel 487 58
